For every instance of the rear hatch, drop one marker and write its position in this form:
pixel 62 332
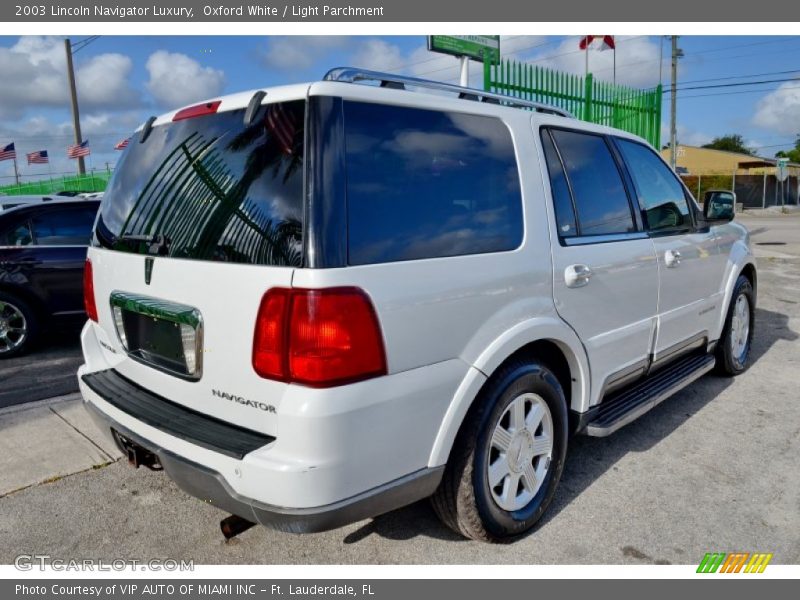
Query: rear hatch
pixel 203 215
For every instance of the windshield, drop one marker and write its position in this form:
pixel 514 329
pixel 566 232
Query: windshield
pixel 209 188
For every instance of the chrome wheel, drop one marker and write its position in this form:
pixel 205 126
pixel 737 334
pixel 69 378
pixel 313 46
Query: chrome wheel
pixel 13 327
pixel 520 452
pixel 740 328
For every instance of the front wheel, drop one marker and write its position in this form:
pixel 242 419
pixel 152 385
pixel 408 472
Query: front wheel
pixel 507 459
pixel 733 350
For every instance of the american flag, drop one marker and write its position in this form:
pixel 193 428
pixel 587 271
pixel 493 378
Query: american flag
pixel 122 144
pixel 78 150
pixel 38 158
pixel 8 152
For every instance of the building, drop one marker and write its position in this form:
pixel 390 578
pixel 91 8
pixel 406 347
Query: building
pixel 692 160
pixel 751 177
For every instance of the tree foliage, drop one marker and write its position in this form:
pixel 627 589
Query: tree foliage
pixel 793 155
pixel 733 142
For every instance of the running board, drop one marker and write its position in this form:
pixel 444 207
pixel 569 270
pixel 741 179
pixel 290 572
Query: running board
pixel 631 403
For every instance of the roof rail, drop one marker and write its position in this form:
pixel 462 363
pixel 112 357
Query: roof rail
pixel 353 75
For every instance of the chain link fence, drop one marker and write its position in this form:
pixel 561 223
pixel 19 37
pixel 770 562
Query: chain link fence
pixel 752 191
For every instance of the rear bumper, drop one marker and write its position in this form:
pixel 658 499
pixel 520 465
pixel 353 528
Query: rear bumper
pixel 210 486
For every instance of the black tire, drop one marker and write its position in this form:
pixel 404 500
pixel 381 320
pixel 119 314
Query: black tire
pixel 11 346
pixel 464 500
pixel 728 362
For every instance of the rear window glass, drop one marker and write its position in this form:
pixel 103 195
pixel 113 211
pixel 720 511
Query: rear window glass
pixel 425 184
pixel 212 189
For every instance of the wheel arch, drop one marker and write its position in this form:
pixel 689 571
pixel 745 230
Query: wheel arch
pixel 748 269
pixel 29 298
pixel 552 343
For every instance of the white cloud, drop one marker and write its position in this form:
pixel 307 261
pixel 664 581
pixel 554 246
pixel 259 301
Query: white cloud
pixel 176 79
pixel 686 136
pixel 32 72
pixel 780 110
pixel 300 52
pixel 378 55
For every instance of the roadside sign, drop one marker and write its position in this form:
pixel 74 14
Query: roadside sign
pixel 782 169
pixel 476 47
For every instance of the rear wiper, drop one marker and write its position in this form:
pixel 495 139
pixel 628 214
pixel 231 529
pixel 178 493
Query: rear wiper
pixel 156 244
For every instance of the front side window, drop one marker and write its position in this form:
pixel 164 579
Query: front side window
pixel 428 184
pixel 660 193
pixel 64 227
pixel 599 194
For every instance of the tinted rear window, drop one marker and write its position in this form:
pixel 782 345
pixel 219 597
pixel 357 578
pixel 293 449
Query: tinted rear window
pixel 425 184
pixel 215 189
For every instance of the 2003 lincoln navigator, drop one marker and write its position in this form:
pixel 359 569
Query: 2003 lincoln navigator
pixel 316 303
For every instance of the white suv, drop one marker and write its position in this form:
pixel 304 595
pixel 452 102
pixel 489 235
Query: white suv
pixel 317 303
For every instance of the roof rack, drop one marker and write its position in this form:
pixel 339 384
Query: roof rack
pixel 353 75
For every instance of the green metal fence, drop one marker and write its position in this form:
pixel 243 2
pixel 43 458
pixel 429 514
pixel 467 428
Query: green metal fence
pixel 630 109
pixel 91 182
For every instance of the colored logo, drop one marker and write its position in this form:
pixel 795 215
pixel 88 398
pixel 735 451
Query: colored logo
pixel 735 562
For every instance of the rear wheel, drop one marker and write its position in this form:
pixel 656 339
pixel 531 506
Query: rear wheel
pixel 733 350
pixel 508 457
pixel 18 326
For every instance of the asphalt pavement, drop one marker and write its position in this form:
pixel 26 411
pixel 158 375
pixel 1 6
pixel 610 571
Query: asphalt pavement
pixel 47 371
pixel 714 468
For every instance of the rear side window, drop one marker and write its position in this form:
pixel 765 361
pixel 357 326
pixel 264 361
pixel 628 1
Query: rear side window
pixel 562 199
pixel 17 235
pixel 600 198
pixel 660 193
pixel 64 227
pixel 215 189
pixel 426 184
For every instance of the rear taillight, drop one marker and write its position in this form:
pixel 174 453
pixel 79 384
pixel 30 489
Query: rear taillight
pixel 319 338
pixel 88 291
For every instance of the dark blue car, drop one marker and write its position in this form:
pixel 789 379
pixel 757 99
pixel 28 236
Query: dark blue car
pixel 42 253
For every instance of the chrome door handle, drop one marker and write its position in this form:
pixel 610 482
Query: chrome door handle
pixel 672 258
pixel 577 275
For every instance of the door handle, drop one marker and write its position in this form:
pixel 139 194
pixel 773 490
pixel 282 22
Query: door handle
pixel 576 276
pixel 672 258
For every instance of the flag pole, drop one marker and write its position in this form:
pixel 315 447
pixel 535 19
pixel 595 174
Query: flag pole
pixel 615 63
pixel 587 60
pixel 16 170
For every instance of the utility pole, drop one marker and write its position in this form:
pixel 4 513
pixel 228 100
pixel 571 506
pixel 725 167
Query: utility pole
pixel 76 119
pixel 673 128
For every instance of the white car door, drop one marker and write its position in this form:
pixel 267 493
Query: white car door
pixel 689 262
pixel 605 276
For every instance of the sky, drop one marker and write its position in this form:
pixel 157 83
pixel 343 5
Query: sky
pixel 124 79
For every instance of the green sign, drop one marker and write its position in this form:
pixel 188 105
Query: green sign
pixel 478 47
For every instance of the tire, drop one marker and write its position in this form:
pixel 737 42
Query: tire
pixel 19 326
pixel 733 349
pixel 466 500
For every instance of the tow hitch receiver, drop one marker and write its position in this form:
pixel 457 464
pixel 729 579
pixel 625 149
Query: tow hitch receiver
pixel 137 455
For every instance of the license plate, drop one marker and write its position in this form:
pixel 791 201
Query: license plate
pixel 159 333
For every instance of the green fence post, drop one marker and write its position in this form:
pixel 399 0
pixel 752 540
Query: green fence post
pixel 587 98
pixel 487 75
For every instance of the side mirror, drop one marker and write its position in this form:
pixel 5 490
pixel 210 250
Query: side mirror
pixel 719 205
